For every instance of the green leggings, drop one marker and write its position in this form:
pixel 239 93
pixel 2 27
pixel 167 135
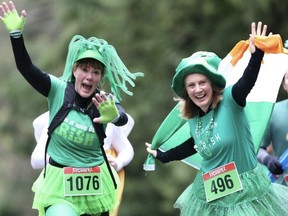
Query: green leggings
pixel 61 209
pixel 65 210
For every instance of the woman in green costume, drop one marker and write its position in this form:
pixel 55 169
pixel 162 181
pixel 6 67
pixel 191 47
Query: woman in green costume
pixel 230 180
pixel 78 179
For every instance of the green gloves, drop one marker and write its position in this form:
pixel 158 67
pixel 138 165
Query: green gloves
pixel 108 111
pixel 13 23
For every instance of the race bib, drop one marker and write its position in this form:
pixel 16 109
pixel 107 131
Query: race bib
pixel 221 181
pixel 82 181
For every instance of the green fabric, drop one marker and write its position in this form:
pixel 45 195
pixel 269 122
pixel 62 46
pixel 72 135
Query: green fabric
pixel 225 146
pixel 57 90
pixel 278 129
pixel 258 121
pixel 259 105
pixel 258 197
pixel 74 142
pixel 108 111
pixel 61 209
pixel 115 71
pixel 49 190
pixel 286 44
pixel 205 63
pixel 13 22
pixel 94 54
pixel 170 125
pixel 178 131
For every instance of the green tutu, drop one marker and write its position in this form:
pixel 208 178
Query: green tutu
pixel 49 191
pixel 258 197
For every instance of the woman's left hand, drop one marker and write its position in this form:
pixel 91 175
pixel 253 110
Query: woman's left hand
pixel 149 150
pixel 107 108
pixel 260 31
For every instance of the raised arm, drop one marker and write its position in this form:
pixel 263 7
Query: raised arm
pixel 14 25
pixel 243 86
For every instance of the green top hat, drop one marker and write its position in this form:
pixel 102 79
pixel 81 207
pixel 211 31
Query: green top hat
pixel 205 63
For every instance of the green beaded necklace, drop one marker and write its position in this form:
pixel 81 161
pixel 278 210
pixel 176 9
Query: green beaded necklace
pixel 204 135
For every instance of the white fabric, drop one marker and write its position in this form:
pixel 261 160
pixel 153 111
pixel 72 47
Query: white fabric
pixel 40 125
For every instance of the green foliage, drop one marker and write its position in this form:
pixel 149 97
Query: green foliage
pixel 149 36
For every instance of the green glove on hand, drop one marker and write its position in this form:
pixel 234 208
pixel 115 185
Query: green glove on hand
pixel 12 22
pixel 107 108
pixel 108 111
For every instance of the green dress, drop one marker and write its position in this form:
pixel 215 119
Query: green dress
pixel 225 137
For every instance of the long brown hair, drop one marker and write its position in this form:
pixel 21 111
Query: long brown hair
pixel 188 108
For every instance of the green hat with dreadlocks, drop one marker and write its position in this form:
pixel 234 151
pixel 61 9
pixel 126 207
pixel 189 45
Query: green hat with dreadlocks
pixel 94 54
pixel 114 71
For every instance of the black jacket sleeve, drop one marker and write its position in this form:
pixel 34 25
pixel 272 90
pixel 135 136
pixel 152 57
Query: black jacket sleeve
pixel 180 152
pixel 243 86
pixel 123 118
pixel 37 78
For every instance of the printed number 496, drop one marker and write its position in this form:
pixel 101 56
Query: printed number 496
pixel 221 184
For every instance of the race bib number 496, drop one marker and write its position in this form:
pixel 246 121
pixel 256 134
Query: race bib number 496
pixel 221 181
pixel 82 181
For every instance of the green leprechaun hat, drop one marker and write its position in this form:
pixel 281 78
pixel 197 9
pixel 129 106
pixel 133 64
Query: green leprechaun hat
pixel 201 62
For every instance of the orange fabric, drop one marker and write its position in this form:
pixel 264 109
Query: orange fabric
pixel 238 51
pixel 269 44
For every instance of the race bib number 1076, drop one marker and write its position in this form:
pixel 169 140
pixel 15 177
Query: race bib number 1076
pixel 82 181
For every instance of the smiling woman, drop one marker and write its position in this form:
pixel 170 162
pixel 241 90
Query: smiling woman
pixel 199 90
pixel 230 180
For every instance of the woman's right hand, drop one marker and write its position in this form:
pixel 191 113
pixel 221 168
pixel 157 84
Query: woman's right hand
pixel 10 18
pixel 150 151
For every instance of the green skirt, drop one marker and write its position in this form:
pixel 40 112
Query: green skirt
pixel 49 191
pixel 258 197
